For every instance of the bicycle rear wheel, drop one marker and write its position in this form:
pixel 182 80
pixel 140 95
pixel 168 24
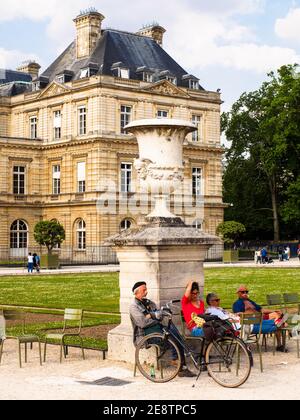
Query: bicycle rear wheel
pixel 158 358
pixel 228 362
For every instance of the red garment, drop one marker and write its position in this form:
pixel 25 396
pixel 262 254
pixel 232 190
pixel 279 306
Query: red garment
pixel 188 309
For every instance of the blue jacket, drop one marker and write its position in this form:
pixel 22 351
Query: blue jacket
pixel 239 306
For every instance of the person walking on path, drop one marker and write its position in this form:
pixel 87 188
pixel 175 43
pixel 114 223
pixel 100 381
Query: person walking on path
pixel 30 263
pixel 36 262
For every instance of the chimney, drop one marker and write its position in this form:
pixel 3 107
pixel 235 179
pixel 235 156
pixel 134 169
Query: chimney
pixel 154 31
pixel 88 27
pixel 30 67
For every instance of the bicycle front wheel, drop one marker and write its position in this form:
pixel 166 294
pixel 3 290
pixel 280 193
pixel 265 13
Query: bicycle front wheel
pixel 228 362
pixel 158 358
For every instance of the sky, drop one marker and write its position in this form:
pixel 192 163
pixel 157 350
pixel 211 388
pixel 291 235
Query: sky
pixel 229 44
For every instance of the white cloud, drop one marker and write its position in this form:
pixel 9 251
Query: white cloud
pixel 200 33
pixel 11 59
pixel 288 27
pixel 200 41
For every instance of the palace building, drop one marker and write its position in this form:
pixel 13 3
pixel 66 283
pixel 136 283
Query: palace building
pixel 65 155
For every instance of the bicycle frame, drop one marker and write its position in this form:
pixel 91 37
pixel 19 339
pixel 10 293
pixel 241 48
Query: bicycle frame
pixel 198 358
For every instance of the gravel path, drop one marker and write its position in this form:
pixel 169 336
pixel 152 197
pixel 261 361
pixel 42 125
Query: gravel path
pixel 281 380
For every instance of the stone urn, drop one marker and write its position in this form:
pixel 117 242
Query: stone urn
pixel 160 165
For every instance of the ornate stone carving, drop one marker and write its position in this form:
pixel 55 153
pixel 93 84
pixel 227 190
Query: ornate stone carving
pixel 160 167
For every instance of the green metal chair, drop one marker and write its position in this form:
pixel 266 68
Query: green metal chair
pixel 248 337
pixel 295 331
pixel 23 338
pixel 291 301
pixel 70 315
pixel 274 300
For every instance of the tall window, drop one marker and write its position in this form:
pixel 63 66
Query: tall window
pixel 126 177
pixel 162 114
pixel 19 180
pixel 81 235
pixel 19 235
pixel 33 127
pixel 82 120
pixel 56 179
pixel 57 125
pixel 125 116
pixel 197 182
pixel 81 177
pixel 196 119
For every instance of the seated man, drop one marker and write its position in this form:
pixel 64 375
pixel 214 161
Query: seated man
pixel 145 322
pixel 214 308
pixel 272 320
pixel 192 305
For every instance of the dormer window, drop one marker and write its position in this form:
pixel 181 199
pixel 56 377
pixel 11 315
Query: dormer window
pixel 191 82
pixel 60 78
pixel 84 73
pixel 145 74
pixel 167 75
pixel 90 70
pixel 194 84
pixel 120 70
pixel 148 77
pixel 123 73
pixel 40 83
pixel 64 77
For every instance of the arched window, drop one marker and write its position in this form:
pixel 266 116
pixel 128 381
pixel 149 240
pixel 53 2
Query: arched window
pixel 125 224
pixel 198 224
pixel 81 234
pixel 19 235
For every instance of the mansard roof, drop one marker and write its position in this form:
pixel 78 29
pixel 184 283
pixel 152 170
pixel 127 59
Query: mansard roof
pixel 132 51
pixel 8 76
pixel 14 82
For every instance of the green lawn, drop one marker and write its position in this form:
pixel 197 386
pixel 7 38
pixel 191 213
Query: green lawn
pixel 100 292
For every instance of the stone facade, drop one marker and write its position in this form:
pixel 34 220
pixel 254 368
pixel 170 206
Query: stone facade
pixel 27 140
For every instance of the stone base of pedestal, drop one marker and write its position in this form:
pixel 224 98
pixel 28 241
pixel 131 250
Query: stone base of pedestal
pixel 165 254
pixel 120 345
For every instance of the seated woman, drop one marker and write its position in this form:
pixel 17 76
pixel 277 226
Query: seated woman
pixel 213 302
pixel 191 305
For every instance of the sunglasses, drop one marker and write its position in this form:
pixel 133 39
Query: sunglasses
pixel 195 293
pixel 244 292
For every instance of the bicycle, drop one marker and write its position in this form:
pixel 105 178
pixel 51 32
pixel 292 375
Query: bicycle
pixel 158 358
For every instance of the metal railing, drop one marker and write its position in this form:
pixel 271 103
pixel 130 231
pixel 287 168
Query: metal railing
pixel 92 255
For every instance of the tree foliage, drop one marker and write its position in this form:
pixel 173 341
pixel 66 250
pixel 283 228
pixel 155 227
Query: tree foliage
pixel 263 162
pixel 231 231
pixel 49 234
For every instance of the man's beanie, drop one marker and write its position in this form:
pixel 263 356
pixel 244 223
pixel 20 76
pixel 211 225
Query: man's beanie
pixel 138 285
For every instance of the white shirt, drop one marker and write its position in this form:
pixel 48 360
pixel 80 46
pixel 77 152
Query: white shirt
pixel 224 316
pixel 30 258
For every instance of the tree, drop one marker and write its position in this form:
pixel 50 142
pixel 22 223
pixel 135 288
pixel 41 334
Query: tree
pixel 230 232
pixel 49 234
pixel 264 127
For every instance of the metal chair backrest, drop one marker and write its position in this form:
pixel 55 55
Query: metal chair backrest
pixel 273 300
pixel 73 315
pixel 291 299
pixel 13 315
pixel 252 319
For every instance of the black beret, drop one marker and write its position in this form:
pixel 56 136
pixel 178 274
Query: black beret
pixel 137 285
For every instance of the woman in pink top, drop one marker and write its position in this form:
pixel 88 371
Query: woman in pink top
pixel 191 303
